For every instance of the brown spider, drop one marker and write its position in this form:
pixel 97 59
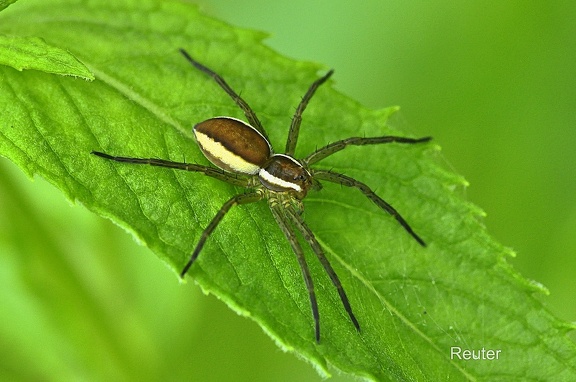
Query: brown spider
pixel 238 148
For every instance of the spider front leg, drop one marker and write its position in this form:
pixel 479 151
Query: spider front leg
pixel 281 219
pixel 298 221
pixel 351 182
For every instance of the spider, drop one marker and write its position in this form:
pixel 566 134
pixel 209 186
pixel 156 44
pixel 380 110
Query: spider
pixel 245 158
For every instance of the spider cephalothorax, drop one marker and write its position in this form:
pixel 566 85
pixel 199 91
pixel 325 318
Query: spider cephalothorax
pixel 244 157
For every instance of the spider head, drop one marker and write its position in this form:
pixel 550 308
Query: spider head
pixel 282 173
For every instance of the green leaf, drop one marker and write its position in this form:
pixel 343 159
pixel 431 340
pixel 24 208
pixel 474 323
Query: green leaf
pixel 413 303
pixel 5 3
pixel 33 53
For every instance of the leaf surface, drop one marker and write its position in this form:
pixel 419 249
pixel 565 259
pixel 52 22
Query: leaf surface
pixel 413 303
pixel 33 53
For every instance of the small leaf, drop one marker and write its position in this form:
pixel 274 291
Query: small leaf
pixel 5 3
pixel 414 304
pixel 33 53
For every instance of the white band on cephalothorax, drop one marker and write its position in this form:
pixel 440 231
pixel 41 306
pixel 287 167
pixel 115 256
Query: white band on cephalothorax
pixel 277 181
pixel 217 150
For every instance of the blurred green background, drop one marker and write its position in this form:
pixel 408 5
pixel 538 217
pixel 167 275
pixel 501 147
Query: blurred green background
pixel 494 83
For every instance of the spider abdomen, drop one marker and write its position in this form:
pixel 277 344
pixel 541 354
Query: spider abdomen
pixel 232 145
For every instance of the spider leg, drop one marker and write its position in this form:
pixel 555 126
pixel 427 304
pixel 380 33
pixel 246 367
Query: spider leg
pixel 297 220
pixel 332 148
pixel 248 112
pixel 210 171
pixel 238 199
pixel 282 221
pixel 351 182
pixel 297 118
